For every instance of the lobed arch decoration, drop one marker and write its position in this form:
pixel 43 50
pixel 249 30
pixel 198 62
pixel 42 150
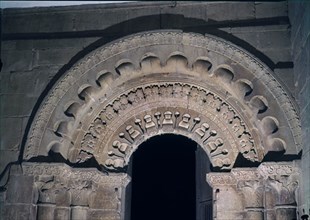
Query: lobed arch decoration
pixel 160 82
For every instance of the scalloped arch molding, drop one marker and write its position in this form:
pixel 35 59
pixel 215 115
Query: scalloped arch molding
pixel 152 83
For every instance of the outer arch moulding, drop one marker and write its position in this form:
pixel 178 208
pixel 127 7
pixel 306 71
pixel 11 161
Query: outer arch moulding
pixel 244 84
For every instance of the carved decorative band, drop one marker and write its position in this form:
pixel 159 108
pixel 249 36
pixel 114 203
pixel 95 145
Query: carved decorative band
pixel 199 114
pixel 84 90
pixel 80 174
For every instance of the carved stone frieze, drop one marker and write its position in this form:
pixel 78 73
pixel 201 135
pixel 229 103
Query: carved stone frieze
pixel 78 174
pixel 276 171
pixel 283 179
pixel 218 179
pixel 270 189
pixel 61 186
pixel 197 113
pixel 267 191
pixel 56 191
pixel 251 185
pixel 245 174
pixel 223 83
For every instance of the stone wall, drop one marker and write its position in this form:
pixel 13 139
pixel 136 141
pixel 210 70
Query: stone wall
pixel 299 13
pixel 266 192
pixel 40 44
pixel 56 191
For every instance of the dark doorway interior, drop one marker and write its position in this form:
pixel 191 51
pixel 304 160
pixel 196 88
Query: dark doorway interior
pixel 163 179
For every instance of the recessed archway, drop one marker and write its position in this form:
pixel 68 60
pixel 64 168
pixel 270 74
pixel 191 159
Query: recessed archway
pixel 83 115
pixel 165 180
pixel 164 82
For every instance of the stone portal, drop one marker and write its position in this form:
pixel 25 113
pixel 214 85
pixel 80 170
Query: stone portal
pixel 149 84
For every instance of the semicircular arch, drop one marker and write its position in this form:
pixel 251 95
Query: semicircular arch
pixel 185 83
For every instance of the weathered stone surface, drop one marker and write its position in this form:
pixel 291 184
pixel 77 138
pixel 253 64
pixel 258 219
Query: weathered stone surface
pixel 287 75
pixel 45 211
pixel 48 20
pixel 300 38
pixel 271 9
pixel 21 193
pixel 77 19
pixel 35 51
pixel 231 11
pixel 6 157
pixel 277 57
pixel 241 193
pixel 45 44
pixel 61 213
pixel 246 193
pixel 20 212
pixel 254 215
pixel 264 39
pixel 55 191
pixel 300 28
pixel 103 214
pixel 10 127
pixel 7 45
pixel 55 56
pixel 104 198
pixel 304 95
pixel 63 198
pixel 105 131
pixel 21 107
pixel 79 212
pixel 17 60
pixel 272 39
pixel 2 202
pixel 286 213
pixel 80 199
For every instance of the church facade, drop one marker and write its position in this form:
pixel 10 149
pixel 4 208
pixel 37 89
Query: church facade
pixel 84 87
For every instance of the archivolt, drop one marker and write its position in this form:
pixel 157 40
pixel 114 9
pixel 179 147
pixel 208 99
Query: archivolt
pixel 199 86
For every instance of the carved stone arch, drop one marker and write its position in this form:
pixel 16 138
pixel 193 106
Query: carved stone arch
pixel 172 82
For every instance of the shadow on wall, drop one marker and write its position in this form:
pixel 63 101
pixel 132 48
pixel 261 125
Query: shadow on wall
pixel 145 23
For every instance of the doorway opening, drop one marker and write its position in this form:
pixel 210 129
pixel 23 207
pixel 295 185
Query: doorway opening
pixel 164 179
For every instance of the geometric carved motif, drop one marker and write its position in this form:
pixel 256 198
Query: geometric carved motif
pixel 59 191
pixel 207 119
pixel 99 105
pixel 282 178
pixel 188 84
pixel 270 190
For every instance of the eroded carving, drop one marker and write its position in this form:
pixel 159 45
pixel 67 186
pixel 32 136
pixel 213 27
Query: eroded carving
pixel 62 186
pixel 227 102
pixel 270 188
pixel 283 179
pixel 215 179
pixel 171 120
pixel 116 160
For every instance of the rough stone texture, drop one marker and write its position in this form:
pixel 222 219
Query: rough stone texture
pixel 35 54
pixel 40 49
pixel 39 62
pixel 55 191
pixel 109 101
pixel 256 193
pixel 299 13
